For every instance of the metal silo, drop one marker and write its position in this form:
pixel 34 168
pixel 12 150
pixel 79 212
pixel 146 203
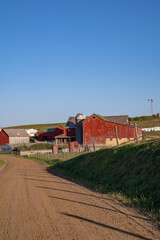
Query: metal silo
pixel 79 127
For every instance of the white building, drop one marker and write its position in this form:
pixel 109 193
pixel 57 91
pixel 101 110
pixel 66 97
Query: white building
pixel 31 132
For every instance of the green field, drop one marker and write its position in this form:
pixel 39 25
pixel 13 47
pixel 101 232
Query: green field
pixel 131 173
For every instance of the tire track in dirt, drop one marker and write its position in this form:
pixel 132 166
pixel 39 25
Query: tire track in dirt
pixel 37 205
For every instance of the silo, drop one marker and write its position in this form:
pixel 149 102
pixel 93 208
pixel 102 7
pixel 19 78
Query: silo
pixel 79 127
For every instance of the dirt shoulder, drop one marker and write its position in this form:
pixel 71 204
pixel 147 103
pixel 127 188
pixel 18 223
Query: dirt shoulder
pixel 35 204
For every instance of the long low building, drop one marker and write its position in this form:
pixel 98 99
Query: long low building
pixel 99 130
pixel 13 136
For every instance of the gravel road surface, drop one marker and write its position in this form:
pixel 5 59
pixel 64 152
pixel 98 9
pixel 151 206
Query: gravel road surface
pixel 37 205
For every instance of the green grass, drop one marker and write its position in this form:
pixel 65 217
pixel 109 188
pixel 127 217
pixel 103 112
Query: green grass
pixel 1 162
pixel 46 162
pixel 38 146
pixel 130 172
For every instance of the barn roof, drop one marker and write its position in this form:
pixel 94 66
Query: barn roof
pixel 122 119
pixel 107 120
pixel 16 132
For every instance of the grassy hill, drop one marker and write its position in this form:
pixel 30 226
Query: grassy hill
pixel 38 126
pixel 130 172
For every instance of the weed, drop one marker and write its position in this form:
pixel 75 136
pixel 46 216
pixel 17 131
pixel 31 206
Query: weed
pixel 1 162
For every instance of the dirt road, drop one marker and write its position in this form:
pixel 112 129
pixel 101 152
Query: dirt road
pixel 36 205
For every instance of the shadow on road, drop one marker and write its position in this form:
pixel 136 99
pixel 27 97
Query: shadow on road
pixel 106 226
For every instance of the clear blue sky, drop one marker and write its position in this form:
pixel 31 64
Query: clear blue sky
pixel 61 57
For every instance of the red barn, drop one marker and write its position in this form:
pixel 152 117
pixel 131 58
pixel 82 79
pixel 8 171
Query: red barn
pixel 50 133
pixel 101 131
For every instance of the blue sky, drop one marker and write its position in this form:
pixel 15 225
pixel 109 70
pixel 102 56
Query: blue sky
pixel 58 58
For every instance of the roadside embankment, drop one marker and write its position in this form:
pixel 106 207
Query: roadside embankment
pixel 131 173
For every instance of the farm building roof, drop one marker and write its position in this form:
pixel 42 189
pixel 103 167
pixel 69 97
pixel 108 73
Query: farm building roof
pixel 71 122
pixel 16 132
pixel 107 120
pixel 60 136
pixel 121 119
pixel 51 127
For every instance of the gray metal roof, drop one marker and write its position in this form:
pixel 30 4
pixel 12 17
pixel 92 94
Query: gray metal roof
pixel 122 119
pixel 16 132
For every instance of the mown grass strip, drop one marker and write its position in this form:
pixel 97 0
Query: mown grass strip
pixel 1 162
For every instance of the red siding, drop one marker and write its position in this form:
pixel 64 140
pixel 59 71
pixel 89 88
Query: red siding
pixel 41 136
pixel 3 138
pixel 71 132
pixel 68 132
pixel 51 135
pixel 59 131
pixel 97 130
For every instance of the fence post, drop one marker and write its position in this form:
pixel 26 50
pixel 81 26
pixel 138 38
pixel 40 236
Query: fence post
pixel 116 135
pixel 136 132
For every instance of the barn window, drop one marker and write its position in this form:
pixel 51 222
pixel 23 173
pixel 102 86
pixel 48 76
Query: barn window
pixel 101 139
pixel 93 117
pixel 110 139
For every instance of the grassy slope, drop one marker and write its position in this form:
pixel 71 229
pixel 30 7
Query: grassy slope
pixel 131 171
pixel 147 123
pixel 152 133
pixel 37 126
